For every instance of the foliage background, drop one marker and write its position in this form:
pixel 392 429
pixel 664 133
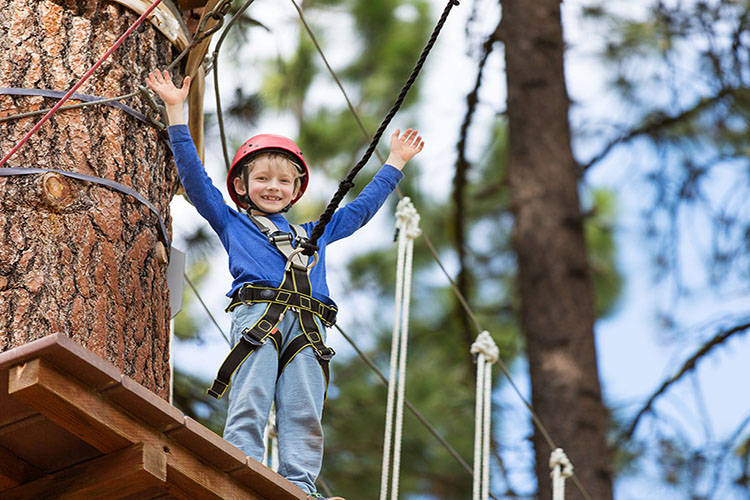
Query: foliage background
pixel 662 293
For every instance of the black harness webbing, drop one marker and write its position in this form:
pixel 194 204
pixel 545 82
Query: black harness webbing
pixel 250 294
pixel 294 292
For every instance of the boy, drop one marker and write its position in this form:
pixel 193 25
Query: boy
pixel 268 175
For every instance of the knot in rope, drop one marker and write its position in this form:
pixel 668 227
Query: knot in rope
pixel 407 218
pixel 485 345
pixel 559 458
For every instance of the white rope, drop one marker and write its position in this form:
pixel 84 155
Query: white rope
pixel 478 431
pixel 561 469
pixel 407 223
pixel 271 441
pixel 487 353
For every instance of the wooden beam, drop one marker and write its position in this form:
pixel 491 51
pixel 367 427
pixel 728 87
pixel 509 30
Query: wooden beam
pixel 135 470
pixel 204 483
pixel 209 445
pixel 68 404
pixel 14 471
pixel 265 481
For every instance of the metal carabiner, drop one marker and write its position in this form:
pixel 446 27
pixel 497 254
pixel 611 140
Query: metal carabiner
pixel 295 252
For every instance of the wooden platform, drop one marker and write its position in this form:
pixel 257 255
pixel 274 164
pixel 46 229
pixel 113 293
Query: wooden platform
pixel 72 426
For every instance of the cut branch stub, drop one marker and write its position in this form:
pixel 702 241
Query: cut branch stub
pixel 57 190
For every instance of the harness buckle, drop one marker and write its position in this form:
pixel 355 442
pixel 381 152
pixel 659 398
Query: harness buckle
pixel 325 354
pixel 248 335
pixel 278 236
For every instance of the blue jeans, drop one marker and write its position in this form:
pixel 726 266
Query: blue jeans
pixel 299 394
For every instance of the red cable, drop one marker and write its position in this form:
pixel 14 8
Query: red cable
pixel 80 82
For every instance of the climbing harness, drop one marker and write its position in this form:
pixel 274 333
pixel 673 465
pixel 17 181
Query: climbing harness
pixel 294 293
pixel 561 469
pixel 266 143
pixel 407 225
pixel 486 353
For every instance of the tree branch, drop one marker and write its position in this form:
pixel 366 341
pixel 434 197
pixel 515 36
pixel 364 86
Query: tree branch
pixel 687 366
pixel 459 178
pixel 659 123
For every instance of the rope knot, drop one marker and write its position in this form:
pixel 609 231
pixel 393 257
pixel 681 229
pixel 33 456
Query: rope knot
pixel 407 218
pixel 558 458
pixel 485 345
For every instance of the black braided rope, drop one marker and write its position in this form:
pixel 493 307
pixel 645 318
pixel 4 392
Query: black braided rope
pixel 348 182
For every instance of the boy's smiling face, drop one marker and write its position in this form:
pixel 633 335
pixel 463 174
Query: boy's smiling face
pixel 270 182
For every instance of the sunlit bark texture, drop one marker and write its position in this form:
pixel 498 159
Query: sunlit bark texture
pixel 76 257
pixel 557 295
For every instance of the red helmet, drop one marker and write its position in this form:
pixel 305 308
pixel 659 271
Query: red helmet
pixel 270 143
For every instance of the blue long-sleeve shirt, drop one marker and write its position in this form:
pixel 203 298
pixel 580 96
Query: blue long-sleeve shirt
pixel 252 258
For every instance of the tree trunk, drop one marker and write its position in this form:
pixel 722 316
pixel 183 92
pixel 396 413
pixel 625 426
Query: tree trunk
pixel 557 295
pixel 75 257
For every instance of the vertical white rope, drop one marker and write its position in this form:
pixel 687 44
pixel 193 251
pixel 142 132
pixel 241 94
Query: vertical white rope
pixel 387 439
pixel 561 469
pixel 270 440
pixel 407 222
pixel 478 409
pixel 275 450
pixel 402 368
pixel 486 352
pixel 487 430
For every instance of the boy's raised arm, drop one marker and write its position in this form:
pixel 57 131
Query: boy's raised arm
pixel 174 98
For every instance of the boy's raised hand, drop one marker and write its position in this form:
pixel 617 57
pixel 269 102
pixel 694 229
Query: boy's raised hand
pixel 404 147
pixel 161 83
pixel 173 97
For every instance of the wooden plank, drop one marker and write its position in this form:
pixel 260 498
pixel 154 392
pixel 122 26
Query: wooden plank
pixel 144 404
pixel 45 445
pixel 266 482
pixel 69 356
pixel 204 483
pixel 138 469
pixel 14 471
pixel 68 404
pixel 210 447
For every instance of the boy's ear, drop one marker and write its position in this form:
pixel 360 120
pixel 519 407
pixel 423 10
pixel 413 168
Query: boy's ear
pixel 239 185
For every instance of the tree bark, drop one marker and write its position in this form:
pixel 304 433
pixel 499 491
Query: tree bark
pixel 79 258
pixel 557 294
